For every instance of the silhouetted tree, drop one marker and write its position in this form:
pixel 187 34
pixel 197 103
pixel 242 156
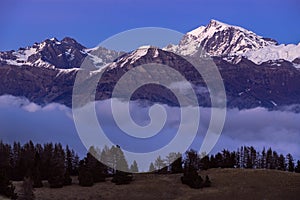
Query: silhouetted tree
pixel 176 166
pixel 75 164
pixel 274 162
pixel 213 163
pixel 28 153
pixel 242 159
pixel 290 163
pixel 263 159
pixel 252 157
pixel 237 158
pixel 258 160
pixel 269 158
pixel 46 158
pixel 85 177
pixel 57 171
pixel 17 165
pixel 297 168
pixel 6 187
pixel 36 173
pixel 281 163
pixel 219 160
pixel 97 169
pixel 69 166
pixel 205 164
pixel 69 160
pixel 190 174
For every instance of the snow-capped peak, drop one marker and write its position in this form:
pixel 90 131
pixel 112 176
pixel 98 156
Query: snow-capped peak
pixel 132 57
pixel 215 24
pixel 196 31
pixel 219 39
pixel 145 47
pixel 50 53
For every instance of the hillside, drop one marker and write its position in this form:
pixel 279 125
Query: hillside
pixel 226 184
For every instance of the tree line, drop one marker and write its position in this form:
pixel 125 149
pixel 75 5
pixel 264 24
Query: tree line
pixel 34 163
pixel 244 157
pixel 250 158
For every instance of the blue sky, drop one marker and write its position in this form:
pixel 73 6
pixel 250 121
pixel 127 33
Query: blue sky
pixel 90 22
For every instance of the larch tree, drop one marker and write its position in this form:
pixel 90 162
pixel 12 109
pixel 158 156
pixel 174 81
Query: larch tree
pixel 134 167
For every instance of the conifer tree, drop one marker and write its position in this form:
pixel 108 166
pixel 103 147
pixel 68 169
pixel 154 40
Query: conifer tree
pixel 290 163
pixel 151 167
pixel 16 162
pixel 297 168
pixel 36 173
pixel 176 166
pixel 190 174
pixel 6 187
pixel 281 163
pixel 159 163
pixel 85 177
pixel 96 168
pixel 134 167
pixel 75 164
pixel 69 160
pixel 69 166
pixel 121 174
pixel 46 157
pixel 263 158
pixel 57 173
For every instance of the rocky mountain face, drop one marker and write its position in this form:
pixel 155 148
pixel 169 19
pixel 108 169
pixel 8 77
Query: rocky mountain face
pixel 248 85
pixel 51 53
pixel 64 54
pixel 45 72
pixel 255 70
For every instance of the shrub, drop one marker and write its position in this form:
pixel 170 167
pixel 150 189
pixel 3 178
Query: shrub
pixel 6 187
pixel 121 178
pixel 85 178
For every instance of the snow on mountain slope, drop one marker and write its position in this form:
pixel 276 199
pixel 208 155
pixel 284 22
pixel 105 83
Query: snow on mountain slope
pixel 133 56
pixel 233 42
pixel 101 56
pixel 65 54
pixel 23 56
pixel 50 53
pixel 274 52
pixel 219 39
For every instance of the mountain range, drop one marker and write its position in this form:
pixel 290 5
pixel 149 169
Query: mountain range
pixel 257 71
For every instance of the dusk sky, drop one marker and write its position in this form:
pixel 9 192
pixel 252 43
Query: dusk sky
pixel 90 22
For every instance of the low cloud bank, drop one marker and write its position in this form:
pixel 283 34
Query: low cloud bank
pixel 21 120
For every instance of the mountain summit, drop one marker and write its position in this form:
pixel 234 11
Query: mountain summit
pixel 220 39
pixel 233 42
